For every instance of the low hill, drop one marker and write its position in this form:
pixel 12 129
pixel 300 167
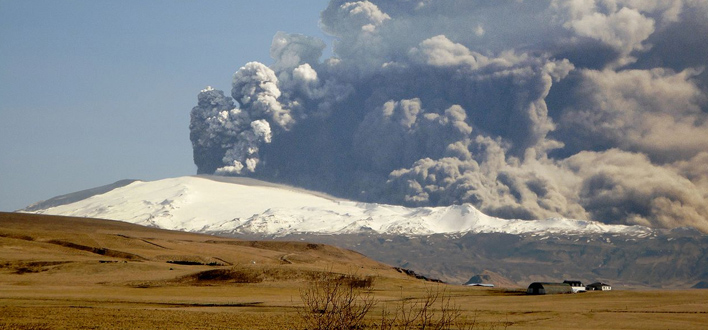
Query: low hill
pixel 490 277
pixel 669 260
pixel 40 248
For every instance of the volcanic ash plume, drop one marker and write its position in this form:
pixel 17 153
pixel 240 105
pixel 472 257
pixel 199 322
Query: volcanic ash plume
pixel 535 109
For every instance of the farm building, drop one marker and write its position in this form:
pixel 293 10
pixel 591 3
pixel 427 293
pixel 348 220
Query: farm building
pixel 549 288
pixel 576 286
pixel 598 286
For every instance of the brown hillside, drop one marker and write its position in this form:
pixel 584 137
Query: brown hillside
pixel 78 250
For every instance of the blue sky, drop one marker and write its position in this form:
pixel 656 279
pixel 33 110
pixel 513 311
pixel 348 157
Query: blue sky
pixel 92 92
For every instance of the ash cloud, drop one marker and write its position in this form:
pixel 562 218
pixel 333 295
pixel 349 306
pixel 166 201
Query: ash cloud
pixel 526 109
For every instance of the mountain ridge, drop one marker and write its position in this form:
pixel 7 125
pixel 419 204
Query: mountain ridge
pixel 76 196
pixel 247 206
pixel 448 243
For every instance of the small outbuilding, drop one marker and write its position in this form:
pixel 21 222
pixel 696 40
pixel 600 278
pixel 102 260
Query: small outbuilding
pixel 576 286
pixel 598 286
pixel 549 288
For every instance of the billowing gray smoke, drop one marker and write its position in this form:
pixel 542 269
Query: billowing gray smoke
pixel 526 109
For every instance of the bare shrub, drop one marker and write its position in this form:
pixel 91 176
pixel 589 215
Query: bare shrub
pixel 332 302
pixel 434 311
pixel 343 302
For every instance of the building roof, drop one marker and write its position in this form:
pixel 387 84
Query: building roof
pixel 549 288
pixel 599 284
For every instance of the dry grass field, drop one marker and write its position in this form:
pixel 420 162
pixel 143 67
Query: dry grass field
pixel 70 273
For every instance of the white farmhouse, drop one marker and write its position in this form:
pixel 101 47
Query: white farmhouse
pixel 576 286
pixel 599 286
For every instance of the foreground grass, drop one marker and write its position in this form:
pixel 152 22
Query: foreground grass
pixel 258 306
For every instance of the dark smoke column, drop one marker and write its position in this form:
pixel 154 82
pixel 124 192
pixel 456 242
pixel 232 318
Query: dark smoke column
pixel 524 109
pixel 208 150
pixel 227 139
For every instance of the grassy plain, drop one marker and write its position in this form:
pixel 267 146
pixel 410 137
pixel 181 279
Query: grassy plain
pixel 71 273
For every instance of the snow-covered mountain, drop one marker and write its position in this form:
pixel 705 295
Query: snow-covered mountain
pixel 241 205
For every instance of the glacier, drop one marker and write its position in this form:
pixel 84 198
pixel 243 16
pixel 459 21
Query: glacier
pixel 220 205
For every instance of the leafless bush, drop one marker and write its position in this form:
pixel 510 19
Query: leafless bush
pixel 342 302
pixel 434 311
pixel 332 302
